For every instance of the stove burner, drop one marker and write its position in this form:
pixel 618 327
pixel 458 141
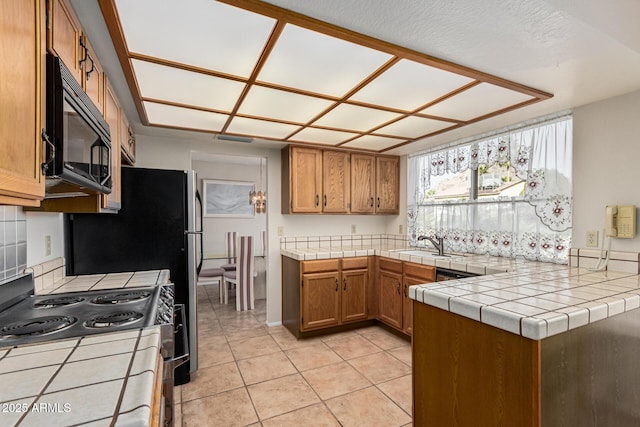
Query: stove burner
pixel 121 297
pixel 114 319
pixel 38 326
pixel 58 302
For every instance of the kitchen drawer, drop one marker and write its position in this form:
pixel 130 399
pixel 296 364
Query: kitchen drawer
pixel 355 263
pixel 321 265
pixel 390 265
pixel 421 272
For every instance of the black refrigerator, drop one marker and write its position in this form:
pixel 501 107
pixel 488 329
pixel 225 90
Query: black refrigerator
pixel 156 228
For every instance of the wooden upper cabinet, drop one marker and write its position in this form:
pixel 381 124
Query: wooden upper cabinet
pixel 22 101
pixel 301 180
pixel 64 36
pixel 93 76
pixel 66 40
pixel 127 141
pixel 363 181
pixel 339 181
pixel 335 181
pixel 387 185
pixel 112 116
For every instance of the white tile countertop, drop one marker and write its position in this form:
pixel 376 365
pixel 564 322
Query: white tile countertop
pixel 50 278
pixel 537 302
pixel 104 379
pixel 94 282
pixel 528 298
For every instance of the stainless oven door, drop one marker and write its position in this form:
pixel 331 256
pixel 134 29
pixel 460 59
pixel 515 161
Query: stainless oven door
pixel 171 362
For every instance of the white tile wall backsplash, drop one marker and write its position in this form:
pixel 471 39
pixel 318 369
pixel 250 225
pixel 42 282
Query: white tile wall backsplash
pixel 13 241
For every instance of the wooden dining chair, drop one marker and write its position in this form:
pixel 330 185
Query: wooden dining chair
pixel 243 276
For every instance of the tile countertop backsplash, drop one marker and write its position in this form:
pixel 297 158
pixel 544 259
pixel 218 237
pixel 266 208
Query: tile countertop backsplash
pixel 49 278
pixel 104 379
pixel 528 298
pixel 13 241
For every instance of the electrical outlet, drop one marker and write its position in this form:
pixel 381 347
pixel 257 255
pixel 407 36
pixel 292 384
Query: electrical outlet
pixel 592 239
pixel 400 229
pixel 353 229
pixel 280 231
pixel 47 245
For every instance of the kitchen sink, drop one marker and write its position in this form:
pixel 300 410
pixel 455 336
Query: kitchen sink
pixel 418 252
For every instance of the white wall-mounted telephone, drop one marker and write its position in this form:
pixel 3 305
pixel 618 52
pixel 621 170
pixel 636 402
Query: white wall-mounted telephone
pixel 620 221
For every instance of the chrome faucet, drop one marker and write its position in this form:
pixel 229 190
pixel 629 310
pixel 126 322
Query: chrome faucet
pixel 438 244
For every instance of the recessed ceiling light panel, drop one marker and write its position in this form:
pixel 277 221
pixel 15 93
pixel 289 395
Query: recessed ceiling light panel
pixel 281 105
pixel 202 33
pixel 245 126
pixel 356 118
pixel 413 127
pixel 168 115
pixel 319 63
pixel 372 142
pixel 477 101
pixel 408 85
pixel 322 136
pixel 186 87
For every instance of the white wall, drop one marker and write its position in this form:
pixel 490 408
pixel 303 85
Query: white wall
pixel 606 164
pixel 215 227
pixel 213 238
pixel 170 153
pixel 39 225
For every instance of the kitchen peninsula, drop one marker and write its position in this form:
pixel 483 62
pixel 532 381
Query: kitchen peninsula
pixel 546 347
pixel 523 343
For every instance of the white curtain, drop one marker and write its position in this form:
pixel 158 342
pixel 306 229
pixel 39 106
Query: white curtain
pixel 536 225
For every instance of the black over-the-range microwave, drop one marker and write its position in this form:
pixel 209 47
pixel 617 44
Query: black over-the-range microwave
pixel 78 144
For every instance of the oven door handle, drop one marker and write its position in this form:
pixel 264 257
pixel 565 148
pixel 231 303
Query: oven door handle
pixel 181 327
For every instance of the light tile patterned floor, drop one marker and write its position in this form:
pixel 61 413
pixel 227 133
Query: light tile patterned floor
pixel 253 375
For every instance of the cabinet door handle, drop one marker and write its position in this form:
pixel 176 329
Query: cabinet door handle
pixel 344 280
pixel 405 290
pixel 52 151
pixel 398 288
pixel 317 200
pixel 378 202
pixel 337 285
pixel 325 200
pixel 372 201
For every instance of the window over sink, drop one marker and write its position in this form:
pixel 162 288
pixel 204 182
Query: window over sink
pixel 507 194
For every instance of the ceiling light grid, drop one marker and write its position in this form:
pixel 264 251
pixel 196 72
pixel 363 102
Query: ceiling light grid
pixel 292 78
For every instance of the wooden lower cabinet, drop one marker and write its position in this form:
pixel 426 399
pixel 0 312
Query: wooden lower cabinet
pixel 333 292
pixel 354 295
pixel 391 299
pixel 320 307
pixel 327 293
pixel 322 294
pixel 413 274
pixel 396 308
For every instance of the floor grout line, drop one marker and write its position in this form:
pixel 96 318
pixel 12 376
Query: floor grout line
pixel 232 325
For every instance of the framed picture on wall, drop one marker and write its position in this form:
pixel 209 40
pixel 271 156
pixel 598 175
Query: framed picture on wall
pixel 227 198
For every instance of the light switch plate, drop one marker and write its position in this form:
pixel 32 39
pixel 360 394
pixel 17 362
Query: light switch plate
pixel 592 239
pixel 280 231
pixel 47 245
pixel 400 229
pixel 353 229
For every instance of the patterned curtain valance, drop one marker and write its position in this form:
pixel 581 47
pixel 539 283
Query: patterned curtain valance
pixel 540 155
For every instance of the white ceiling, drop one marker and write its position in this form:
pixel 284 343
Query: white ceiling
pixel 580 52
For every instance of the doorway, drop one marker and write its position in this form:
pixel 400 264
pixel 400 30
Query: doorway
pixel 228 209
